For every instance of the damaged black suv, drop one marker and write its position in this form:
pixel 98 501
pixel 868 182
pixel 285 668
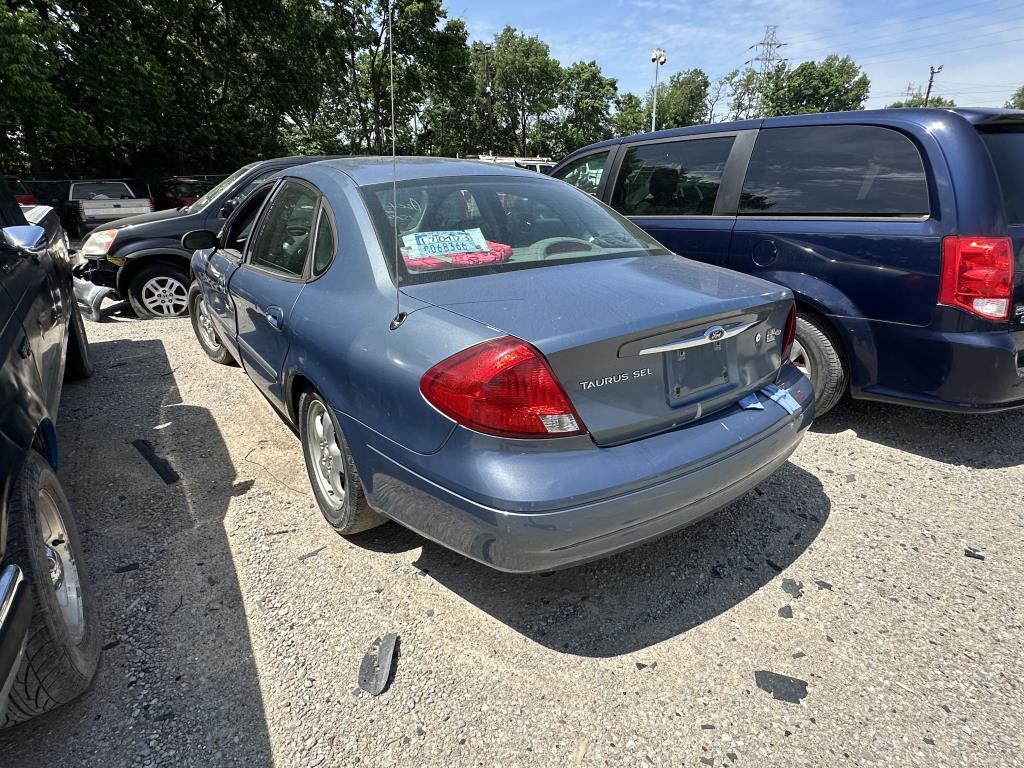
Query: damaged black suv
pixel 49 628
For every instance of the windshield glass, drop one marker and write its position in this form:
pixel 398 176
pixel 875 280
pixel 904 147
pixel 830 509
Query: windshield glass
pixel 100 190
pixel 453 227
pixel 1006 146
pixel 203 202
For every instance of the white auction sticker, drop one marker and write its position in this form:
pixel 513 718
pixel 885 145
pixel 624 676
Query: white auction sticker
pixel 426 245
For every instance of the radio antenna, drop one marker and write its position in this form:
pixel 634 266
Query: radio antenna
pixel 400 316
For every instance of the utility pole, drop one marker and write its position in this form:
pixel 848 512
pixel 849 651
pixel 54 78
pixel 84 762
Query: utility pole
pixel 659 59
pixel 767 59
pixel 932 72
pixel 485 50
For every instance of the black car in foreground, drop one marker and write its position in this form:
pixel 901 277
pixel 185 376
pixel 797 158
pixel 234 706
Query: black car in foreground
pixel 140 258
pixel 49 630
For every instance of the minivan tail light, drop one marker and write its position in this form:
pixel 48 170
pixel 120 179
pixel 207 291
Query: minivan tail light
pixel 789 335
pixel 502 387
pixel 977 275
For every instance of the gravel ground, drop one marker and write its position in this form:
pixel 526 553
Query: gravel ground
pixel 235 619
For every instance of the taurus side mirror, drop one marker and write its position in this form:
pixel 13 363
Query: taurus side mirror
pixel 199 240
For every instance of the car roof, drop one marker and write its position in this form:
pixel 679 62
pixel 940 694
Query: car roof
pixel 974 115
pixel 365 171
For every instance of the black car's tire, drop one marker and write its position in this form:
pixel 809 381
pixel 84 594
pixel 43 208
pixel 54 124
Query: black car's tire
pixel 205 333
pixel 79 364
pixel 61 653
pixel 159 290
pixel 817 352
pixel 347 511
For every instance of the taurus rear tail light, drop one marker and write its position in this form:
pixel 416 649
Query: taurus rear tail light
pixel 977 275
pixel 501 387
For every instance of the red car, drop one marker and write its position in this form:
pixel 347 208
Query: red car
pixel 177 192
pixel 22 193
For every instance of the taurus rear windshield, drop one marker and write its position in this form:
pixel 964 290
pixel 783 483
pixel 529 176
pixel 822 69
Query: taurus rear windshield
pixel 1006 145
pixel 456 226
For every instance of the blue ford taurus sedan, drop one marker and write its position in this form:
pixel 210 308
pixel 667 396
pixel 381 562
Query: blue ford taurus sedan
pixel 497 360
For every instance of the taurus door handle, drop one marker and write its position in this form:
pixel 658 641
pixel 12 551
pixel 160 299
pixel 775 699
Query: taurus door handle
pixel 275 316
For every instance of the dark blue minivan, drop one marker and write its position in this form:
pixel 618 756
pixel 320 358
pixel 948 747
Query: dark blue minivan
pixel 900 232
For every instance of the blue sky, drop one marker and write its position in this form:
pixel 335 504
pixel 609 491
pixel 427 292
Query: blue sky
pixel 980 43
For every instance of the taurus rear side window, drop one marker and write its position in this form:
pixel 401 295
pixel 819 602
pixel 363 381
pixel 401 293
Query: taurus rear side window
pixel 834 170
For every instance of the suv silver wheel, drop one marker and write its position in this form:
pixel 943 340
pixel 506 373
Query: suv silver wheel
pixel 165 295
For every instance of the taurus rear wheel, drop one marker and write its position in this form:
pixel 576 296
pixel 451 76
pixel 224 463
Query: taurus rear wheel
pixel 160 290
pixel 332 473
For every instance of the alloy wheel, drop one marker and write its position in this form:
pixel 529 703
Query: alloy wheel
pixel 166 296
pixel 206 325
pixel 325 454
pixel 64 577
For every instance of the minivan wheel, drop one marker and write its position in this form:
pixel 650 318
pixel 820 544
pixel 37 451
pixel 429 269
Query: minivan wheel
pixel 816 352
pixel 160 290
pixel 202 325
pixel 63 646
pixel 332 473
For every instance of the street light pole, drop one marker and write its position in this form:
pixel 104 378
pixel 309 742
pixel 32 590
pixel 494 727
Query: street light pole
pixel 658 57
pixel 485 50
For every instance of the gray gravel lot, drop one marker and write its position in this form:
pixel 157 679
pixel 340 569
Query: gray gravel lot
pixel 228 645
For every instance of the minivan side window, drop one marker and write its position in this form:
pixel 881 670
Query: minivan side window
pixel 671 178
pixel 834 170
pixel 585 173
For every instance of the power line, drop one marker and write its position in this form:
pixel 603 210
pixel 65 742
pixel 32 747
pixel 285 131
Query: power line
pixel 878 27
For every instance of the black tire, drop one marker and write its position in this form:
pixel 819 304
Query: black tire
pixel 176 278
pixel 57 667
pixel 79 364
pixel 215 351
pixel 353 514
pixel 822 360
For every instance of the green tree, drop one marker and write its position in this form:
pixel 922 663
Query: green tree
pixel 40 128
pixel 1017 100
pixel 682 100
pixel 630 117
pixel 832 85
pixel 585 101
pixel 744 90
pixel 526 81
pixel 917 100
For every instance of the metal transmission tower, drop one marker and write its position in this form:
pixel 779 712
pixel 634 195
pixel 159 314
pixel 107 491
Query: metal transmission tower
pixel 766 60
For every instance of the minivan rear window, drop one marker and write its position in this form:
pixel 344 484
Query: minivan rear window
pixel 834 170
pixel 1006 145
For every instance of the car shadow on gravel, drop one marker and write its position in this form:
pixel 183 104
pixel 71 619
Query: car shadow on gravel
pixel 978 440
pixel 177 683
pixel 641 597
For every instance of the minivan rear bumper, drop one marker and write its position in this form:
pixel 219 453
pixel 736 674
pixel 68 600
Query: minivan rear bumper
pixel 948 370
pixel 539 510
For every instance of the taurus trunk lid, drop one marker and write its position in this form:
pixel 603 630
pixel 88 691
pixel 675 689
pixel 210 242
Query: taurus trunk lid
pixel 640 345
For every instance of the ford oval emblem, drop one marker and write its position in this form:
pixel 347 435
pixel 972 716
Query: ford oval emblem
pixel 715 333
